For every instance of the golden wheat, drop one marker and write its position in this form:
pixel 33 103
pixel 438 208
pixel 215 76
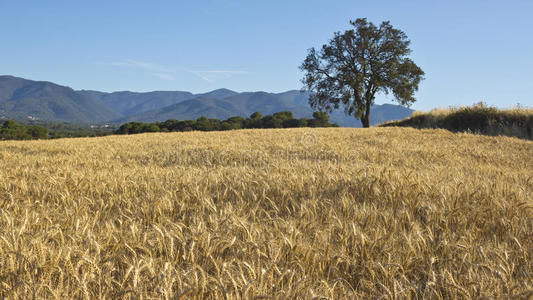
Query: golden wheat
pixel 390 213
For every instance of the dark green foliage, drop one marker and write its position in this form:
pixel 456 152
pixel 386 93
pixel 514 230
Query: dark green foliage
pixel 67 130
pixel 284 119
pixel 60 129
pixel 170 125
pixel 10 130
pixel 256 116
pixel 303 122
pixel 283 115
pixel 479 118
pixel 254 121
pixel 356 65
pixel 271 122
pixel 233 123
pixel 204 124
pixel 291 123
pixel 137 127
pixel 320 118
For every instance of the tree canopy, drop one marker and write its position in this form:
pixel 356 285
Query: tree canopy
pixel 356 65
pixel 10 130
pixel 283 119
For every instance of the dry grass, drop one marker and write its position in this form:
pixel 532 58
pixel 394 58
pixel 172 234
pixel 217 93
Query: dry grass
pixel 389 213
pixel 478 118
pixel 516 111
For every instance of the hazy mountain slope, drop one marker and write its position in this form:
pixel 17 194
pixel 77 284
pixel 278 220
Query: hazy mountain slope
pixel 295 96
pixel 266 103
pixel 8 86
pixel 243 104
pixel 48 101
pixel 157 100
pixel 218 94
pixel 22 99
pixel 188 109
pixel 130 103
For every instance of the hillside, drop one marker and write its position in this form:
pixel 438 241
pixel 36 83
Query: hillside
pixel 23 99
pixel 243 104
pixel 128 103
pixel 381 213
pixel 479 118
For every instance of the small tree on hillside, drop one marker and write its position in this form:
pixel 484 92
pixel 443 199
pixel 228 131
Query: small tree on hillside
pixel 358 64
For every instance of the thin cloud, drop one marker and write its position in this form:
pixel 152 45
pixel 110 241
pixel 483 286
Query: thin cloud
pixel 149 66
pixel 136 64
pixel 203 77
pixel 222 71
pixel 165 73
pixel 161 72
pixel 212 75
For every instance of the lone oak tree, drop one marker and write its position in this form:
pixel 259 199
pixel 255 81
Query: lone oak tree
pixel 356 65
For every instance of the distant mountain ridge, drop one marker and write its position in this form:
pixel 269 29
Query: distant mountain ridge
pixel 22 99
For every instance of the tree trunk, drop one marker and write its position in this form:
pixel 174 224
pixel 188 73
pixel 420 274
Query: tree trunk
pixel 365 118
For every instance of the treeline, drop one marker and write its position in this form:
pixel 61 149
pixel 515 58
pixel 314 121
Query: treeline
pixel 10 130
pixel 284 119
pixel 24 130
pixel 67 130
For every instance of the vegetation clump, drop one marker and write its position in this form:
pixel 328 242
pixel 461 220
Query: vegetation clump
pixel 37 130
pixel 283 119
pixel 10 130
pixel 479 118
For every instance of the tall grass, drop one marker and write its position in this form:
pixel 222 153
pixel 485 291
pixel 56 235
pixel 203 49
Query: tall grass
pixel 388 213
pixel 479 118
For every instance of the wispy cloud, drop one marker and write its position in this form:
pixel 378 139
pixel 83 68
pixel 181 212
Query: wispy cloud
pixel 222 72
pixel 213 75
pixel 202 76
pixel 166 73
pixel 154 69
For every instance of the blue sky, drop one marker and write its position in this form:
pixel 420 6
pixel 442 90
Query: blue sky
pixel 470 50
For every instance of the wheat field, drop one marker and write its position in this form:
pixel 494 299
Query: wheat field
pixel 380 213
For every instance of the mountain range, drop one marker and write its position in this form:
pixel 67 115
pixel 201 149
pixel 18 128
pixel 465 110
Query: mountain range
pixel 23 99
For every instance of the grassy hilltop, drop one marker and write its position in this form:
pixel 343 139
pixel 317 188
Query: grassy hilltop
pixel 478 118
pixel 285 213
